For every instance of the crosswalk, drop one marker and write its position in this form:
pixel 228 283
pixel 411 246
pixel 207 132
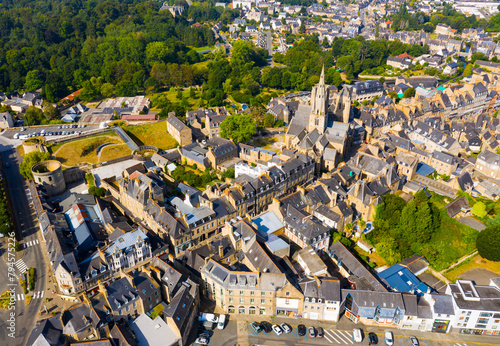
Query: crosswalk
pixel 36 295
pixel 338 336
pixel 459 344
pixel 31 243
pixel 21 266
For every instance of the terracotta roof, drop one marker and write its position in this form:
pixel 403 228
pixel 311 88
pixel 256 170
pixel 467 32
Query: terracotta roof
pixel 71 96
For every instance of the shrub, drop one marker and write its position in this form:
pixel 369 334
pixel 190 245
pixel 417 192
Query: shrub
pixel 488 243
pixel 479 209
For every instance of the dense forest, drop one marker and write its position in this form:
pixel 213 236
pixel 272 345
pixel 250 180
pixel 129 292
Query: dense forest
pixel 60 45
pixel 353 56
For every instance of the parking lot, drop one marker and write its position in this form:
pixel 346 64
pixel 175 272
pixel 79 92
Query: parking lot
pixel 239 332
pixel 31 131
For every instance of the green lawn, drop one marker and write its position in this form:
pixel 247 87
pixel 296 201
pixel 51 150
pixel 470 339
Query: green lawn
pixel 193 103
pixel 72 153
pixel 202 64
pixel 452 241
pixel 152 134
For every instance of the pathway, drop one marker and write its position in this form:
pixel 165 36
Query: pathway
pixel 121 132
pixel 439 276
pixel 459 261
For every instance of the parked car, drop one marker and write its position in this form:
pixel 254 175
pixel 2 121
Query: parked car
pixel 23 129
pixel 208 317
pixel 222 322
pixel 266 326
pixel 389 339
pixel 301 330
pixel 312 332
pixel 286 328
pixel 277 330
pixel 255 326
pixel 320 332
pixel 207 325
pixel 373 339
pixel 201 341
pixel 357 335
pixel 413 340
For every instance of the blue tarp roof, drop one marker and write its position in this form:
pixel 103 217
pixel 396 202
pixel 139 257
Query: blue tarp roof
pixel 424 169
pixel 399 278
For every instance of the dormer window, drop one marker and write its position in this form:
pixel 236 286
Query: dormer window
pixel 93 272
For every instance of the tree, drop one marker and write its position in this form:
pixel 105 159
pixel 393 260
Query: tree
pixel 107 90
pixel 488 243
pixel 479 209
pixel 239 128
pixel 34 80
pixel 50 112
pixel 467 70
pixel 410 92
pixel 268 120
pixel 34 116
pixel 337 79
pixel 30 160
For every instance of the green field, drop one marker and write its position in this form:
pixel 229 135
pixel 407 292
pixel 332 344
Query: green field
pixel 152 134
pixel 72 153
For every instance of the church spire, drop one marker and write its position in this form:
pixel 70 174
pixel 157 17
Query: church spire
pixel 322 77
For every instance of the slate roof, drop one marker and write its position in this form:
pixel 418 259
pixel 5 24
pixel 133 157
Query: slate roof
pixel 309 229
pixel 354 266
pixel 48 332
pixel 328 289
pixel 415 263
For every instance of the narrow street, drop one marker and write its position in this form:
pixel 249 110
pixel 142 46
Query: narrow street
pixel 30 255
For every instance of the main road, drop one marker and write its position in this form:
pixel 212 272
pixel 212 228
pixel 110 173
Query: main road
pixel 26 225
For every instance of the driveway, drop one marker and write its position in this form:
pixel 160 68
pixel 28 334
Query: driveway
pixel 480 276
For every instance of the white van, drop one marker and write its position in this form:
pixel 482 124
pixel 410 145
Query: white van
pixel 16 136
pixel 357 335
pixel 222 322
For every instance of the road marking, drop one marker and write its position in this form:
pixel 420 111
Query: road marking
pixel 330 334
pixel 37 242
pixel 342 336
pixel 42 294
pixel 326 337
pixel 21 266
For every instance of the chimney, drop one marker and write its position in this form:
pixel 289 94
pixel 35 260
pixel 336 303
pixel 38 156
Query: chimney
pixel 221 251
pixel 318 281
pixel 356 189
pixel 102 255
pixel 102 288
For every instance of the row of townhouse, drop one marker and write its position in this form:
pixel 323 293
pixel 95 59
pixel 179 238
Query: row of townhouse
pixel 80 250
pixel 184 223
pixel 465 307
pixel 120 310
